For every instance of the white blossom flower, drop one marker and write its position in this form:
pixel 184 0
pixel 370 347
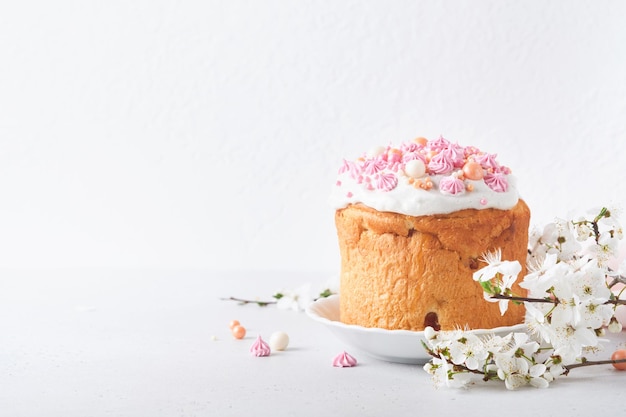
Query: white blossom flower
pixel 459 379
pixel 536 247
pixel 438 367
pixel 444 375
pixel 504 286
pixel 605 247
pixel 609 220
pixel 557 238
pixel 589 294
pixel 501 276
pixel 522 344
pixel 592 282
pixel 549 235
pixel 495 266
pixel 595 313
pixel 583 229
pixel 517 372
pixel 567 311
pixel 497 344
pixel 512 371
pixel 298 299
pixel 568 341
pixel 555 368
pixel 543 275
pixel 536 321
pixel 536 376
pixel 468 350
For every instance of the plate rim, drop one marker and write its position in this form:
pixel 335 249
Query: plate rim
pixel 335 299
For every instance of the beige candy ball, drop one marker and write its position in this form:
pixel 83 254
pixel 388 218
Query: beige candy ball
pixel 376 151
pixel 279 341
pixel 415 168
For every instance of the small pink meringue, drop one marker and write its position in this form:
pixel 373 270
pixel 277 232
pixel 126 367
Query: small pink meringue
pixel 344 360
pixel 441 163
pixel 349 167
pixel 451 185
pixel 439 144
pixel 497 182
pixel 260 347
pixel 372 166
pixel 487 161
pixel 386 181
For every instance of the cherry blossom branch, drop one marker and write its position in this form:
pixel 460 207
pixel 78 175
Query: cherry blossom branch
pixel 529 299
pixel 488 375
pixel 244 301
pixel 591 363
pixel 619 279
pixel 326 293
pixel 545 300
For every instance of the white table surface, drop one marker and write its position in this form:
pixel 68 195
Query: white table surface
pixel 142 343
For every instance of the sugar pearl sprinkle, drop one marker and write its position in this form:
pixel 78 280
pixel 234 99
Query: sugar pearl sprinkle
pixel 383 167
pixel 237 330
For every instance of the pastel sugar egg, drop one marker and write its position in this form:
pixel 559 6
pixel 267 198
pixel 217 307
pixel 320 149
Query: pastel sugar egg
pixel 376 151
pixel 473 170
pixel 415 168
pixel 239 332
pixel 421 141
pixel 279 341
pixel 394 155
pixel 619 355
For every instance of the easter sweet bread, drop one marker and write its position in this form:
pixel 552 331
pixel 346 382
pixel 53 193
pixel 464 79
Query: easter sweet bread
pixel 413 223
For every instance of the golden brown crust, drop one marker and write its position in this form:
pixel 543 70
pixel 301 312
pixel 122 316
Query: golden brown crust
pixel 395 269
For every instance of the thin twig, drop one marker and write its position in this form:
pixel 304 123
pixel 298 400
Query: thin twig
pixel 545 300
pixel 531 300
pixel 243 301
pixel 590 363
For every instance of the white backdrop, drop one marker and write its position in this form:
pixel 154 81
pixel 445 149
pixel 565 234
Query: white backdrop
pixel 168 134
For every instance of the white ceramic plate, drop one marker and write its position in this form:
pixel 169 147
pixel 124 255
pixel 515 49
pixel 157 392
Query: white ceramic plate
pixel 401 346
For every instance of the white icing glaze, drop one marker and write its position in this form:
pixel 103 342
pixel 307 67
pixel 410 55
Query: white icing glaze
pixel 387 187
pixel 405 199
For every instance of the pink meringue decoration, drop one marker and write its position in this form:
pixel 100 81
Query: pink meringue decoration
pixel 451 185
pixel 394 156
pixel 497 182
pixel 349 167
pixel 442 163
pixel 372 166
pixel 410 147
pixel 487 160
pixel 410 156
pixel 344 360
pixel 386 181
pixel 260 347
pixel 456 154
pixel 439 144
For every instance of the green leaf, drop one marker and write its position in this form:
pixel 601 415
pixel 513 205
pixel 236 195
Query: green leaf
pixel 326 293
pixel 487 287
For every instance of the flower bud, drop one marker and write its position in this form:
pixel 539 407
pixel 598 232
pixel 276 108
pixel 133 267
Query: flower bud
pixel 430 333
pixel 614 325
